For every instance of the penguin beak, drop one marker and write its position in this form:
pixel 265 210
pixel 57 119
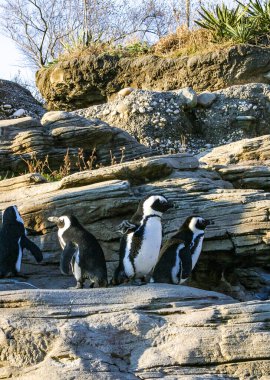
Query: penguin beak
pixel 53 219
pixel 170 204
pixel 209 222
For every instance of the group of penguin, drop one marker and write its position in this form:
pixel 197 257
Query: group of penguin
pixel 141 257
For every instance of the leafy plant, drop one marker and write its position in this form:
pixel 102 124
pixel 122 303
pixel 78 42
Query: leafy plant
pixel 137 48
pixel 245 23
pixel 218 20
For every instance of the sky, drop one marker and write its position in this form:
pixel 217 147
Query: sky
pixel 11 62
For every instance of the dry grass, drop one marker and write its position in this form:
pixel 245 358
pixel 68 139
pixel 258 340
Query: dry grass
pixel 187 42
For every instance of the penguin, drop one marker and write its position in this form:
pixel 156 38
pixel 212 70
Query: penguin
pixel 13 241
pixel 181 252
pixel 82 250
pixel 141 241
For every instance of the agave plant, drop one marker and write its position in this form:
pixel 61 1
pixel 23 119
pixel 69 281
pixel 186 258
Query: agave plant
pixel 242 32
pixel 259 13
pixel 218 20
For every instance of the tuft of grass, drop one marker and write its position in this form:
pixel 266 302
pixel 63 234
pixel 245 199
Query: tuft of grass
pixel 42 166
pixel 187 42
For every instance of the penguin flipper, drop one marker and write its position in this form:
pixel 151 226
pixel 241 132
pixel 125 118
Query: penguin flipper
pixel 66 257
pixel 186 260
pixel 32 247
pixel 126 227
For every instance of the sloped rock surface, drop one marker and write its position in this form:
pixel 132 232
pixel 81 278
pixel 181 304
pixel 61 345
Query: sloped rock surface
pixel 245 163
pixel 151 117
pixel 16 101
pixel 164 121
pixel 61 132
pixel 237 112
pixel 87 80
pixel 155 331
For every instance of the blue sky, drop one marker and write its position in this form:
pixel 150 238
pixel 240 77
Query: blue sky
pixel 11 61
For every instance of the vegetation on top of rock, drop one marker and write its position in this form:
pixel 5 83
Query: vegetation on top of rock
pixel 247 23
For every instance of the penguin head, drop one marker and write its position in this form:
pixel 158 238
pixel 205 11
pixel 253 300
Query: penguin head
pixel 155 205
pixel 196 223
pixel 11 215
pixel 64 221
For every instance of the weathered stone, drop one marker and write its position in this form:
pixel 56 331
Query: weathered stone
pixel 94 79
pixel 61 133
pixel 16 98
pixel 146 117
pixel 189 96
pixel 125 91
pixel 126 333
pixel 238 112
pixel 205 99
pixel 136 172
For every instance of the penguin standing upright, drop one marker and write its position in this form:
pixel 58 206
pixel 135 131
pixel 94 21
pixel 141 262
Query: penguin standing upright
pixel 82 250
pixel 13 240
pixel 140 244
pixel 180 253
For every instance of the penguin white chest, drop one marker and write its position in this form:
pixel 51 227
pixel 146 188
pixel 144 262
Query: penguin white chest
pixel 197 251
pixel 19 259
pixel 148 253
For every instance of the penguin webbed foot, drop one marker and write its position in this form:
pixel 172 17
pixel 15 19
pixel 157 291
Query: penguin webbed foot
pixel 79 285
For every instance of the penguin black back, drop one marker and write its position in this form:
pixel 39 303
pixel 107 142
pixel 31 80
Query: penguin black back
pixel 13 240
pixel 180 253
pixel 82 250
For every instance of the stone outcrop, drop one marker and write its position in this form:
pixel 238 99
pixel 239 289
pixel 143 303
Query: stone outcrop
pixel 238 240
pixel 80 82
pixel 245 163
pixel 61 132
pixel 125 333
pixel 166 121
pixel 16 101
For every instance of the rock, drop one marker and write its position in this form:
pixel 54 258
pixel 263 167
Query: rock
pixel 14 98
pixel 94 80
pixel 147 126
pixel 126 333
pixel 125 91
pixel 19 113
pixel 245 163
pixel 136 172
pixel 237 112
pixel 189 96
pixel 241 216
pixel 205 99
pixel 26 141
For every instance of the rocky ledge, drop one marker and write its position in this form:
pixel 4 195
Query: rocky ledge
pixel 80 82
pixel 127 333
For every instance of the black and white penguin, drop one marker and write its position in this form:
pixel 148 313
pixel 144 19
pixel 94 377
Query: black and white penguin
pixel 181 252
pixel 141 242
pixel 13 241
pixel 82 250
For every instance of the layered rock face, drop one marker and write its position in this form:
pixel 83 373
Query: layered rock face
pixel 235 258
pixel 80 82
pixel 151 332
pixel 60 133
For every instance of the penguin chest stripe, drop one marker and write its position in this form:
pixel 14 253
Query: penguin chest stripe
pixel 128 264
pixel 177 268
pixel 19 259
pixel 196 249
pixel 76 269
